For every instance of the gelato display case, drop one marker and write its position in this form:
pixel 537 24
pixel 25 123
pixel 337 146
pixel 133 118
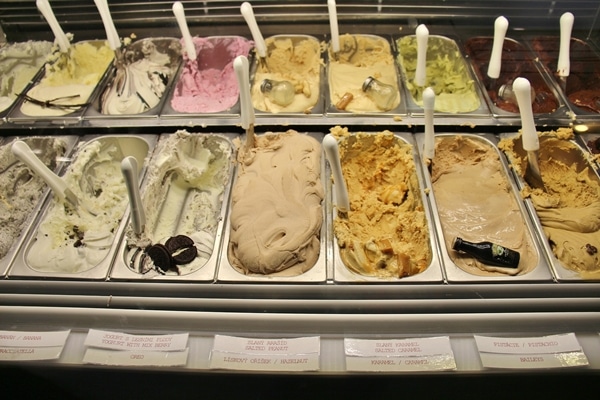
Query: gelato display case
pixel 313 238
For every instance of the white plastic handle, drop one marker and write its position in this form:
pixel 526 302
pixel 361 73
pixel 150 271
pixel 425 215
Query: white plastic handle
pixel 179 13
pixel 522 90
pixel 429 106
pixel 332 153
pixel 333 25
pixel 61 38
pixel 242 73
pixel 259 41
pixel 563 67
pixel 111 32
pixel 422 37
pixel 24 153
pixel 129 168
pixel 495 65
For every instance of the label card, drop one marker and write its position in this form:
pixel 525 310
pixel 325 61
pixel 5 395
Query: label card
pixel 136 358
pixel 124 341
pixel 20 345
pixel 553 351
pixel 415 354
pixel 287 354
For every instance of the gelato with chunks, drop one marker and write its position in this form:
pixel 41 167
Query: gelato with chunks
pixel 474 200
pixel 276 213
pixel 446 73
pixel 360 57
pixel 208 84
pixel 182 195
pixel 19 63
pixel 143 72
pixel 20 188
pixel 296 60
pixel 385 233
pixel 69 80
pixel 569 208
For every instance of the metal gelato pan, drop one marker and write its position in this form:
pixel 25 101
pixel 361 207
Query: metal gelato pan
pixel 185 194
pixel 78 242
pixel 280 230
pixel 473 196
pixel 22 191
pixel 388 235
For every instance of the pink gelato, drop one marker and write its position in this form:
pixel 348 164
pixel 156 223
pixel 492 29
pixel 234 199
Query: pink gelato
pixel 208 84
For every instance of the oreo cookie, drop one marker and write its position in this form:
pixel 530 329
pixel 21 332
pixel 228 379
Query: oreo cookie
pixel 182 249
pixel 161 257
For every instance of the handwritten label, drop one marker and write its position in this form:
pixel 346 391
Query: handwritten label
pixel 124 341
pixel 136 358
pixel 415 354
pixel 554 351
pixel 27 346
pixel 287 354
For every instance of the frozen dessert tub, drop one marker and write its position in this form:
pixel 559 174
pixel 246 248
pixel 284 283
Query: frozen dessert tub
pixel 68 242
pixel 447 72
pixel 566 213
pixel 293 64
pixel 517 61
pixel 275 230
pixel 474 196
pixel 388 234
pixel 185 193
pixel 363 78
pixel 22 191
pixel 208 86
pixel 67 87
pixel 139 80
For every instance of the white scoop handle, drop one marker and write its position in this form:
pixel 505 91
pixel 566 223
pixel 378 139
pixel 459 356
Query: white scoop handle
pixel 333 26
pixel 129 168
pixel 24 153
pixel 422 34
pixel 111 32
pixel 179 13
pixel 259 41
pixel 59 34
pixel 242 73
pixel 495 65
pixel 563 68
pixel 428 107
pixel 522 90
pixel 332 153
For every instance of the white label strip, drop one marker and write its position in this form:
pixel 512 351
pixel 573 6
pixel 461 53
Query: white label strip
pixel 417 347
pixel 255 362
pixel 30 353
pixel 124 341
pixel 33 339
pixel 286 346
pixel 136 358
pixel 408 364
pixel 528 345
pixel 531 361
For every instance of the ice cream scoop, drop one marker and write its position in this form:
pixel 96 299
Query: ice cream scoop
pixel 429 143
pixel 422 34
pixel 111 32
pixel 342 201
pixel 242 73
pixel 190 48
pixel 333 26
pixel 564 64
pixel 59 34
pixel 531 143
pixel 259 41
pixel 495 65
pixel 129 168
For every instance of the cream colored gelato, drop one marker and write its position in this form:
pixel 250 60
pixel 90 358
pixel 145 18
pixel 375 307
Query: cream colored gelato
pixel 569 209
pixel 296 60
pixel 475 201
pixel 183 195
pixel 385 233
pixel 446 72
pixel 276 213
pixel 361 56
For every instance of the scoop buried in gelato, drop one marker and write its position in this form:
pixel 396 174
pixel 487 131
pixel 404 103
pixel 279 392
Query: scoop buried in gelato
pixel 446 72
pixel 19 63
pixel 297 60
pixel 362 57
pixel 569 208
pixel 69 240
pixel 385 234
pixel 276 213
pixel 208 83
pixel 516 62
pixel 69 80
pixel 474 200
pixel 20 188
pixel 144 70
pixel 182 198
